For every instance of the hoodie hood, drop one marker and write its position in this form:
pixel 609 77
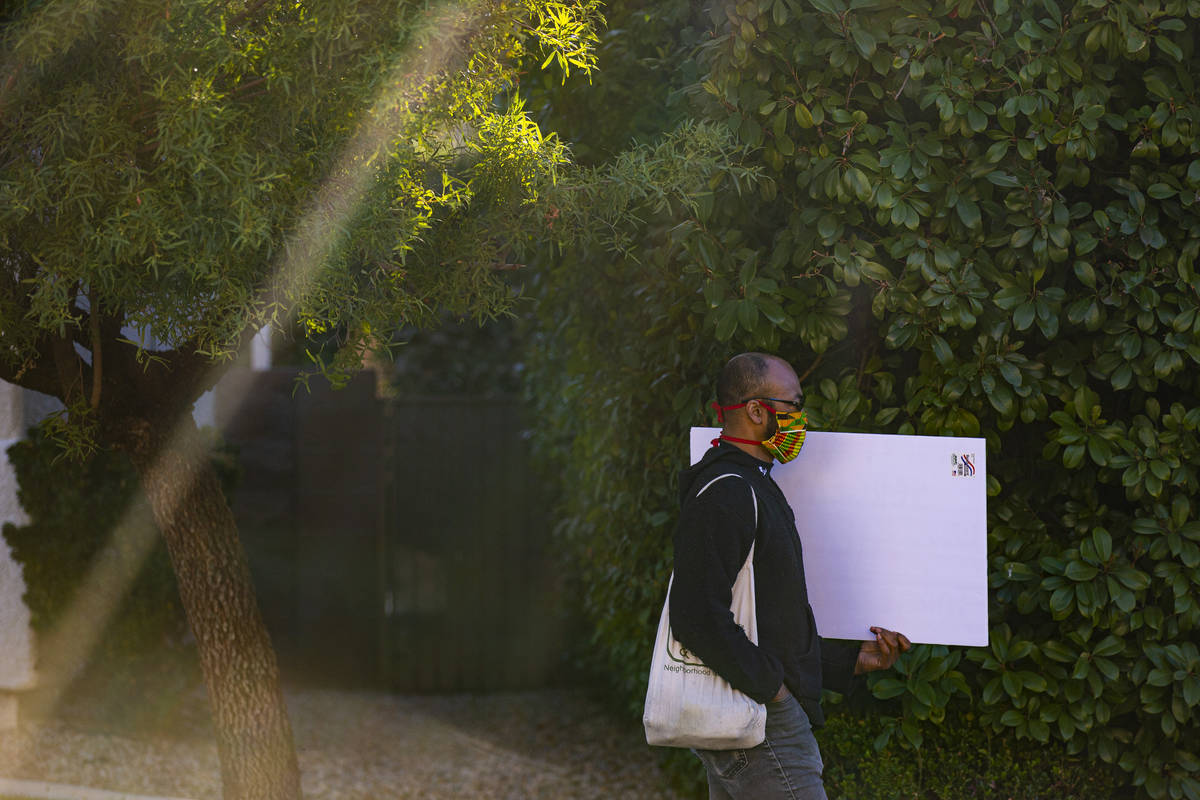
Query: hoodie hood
pixel 720 452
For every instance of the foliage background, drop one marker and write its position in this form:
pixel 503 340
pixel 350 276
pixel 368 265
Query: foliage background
pixel 194 173
pixel 965 218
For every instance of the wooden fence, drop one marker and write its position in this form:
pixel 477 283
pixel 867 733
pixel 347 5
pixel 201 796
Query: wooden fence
pixel 469 597
pixel 401 543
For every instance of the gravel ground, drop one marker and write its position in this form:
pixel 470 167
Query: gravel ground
pixel 358 746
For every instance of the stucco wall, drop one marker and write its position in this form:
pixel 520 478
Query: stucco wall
pixel 16 639
pixel 18 410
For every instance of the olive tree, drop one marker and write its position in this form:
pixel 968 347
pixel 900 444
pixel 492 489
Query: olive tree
pixel 174 176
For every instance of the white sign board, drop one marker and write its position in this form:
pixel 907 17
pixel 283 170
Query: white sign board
pixel 894 530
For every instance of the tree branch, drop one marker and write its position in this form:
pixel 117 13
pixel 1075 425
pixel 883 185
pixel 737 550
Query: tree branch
pixel 172 378
pixel 811 367
pixel 97 350
pixel 36 373
pixel 70 368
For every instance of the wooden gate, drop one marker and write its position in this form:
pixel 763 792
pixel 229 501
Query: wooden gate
pixel 395 542
pixel 468 589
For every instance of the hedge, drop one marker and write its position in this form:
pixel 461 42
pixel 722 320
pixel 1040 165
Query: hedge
pixel 969 218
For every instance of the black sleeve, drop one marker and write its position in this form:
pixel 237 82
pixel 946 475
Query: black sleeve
pixel 712 541
pixel 838 658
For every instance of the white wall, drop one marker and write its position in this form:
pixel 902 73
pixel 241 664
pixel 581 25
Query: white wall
pixel 16 638
pixel 204 411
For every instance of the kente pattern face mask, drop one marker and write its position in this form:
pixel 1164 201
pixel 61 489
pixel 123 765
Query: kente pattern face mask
pixel 784 445
pixel 789 437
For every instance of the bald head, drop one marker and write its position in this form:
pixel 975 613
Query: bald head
pixel 747 375
pixel 759 384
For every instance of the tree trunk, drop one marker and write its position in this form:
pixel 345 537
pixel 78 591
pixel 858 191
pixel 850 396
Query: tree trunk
pixel 254 737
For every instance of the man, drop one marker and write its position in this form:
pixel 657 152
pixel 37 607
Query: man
pixel 761 408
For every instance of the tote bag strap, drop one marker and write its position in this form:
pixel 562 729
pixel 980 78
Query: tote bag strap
pixel 753 498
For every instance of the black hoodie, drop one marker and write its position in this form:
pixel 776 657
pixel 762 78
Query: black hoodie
pixel 711 544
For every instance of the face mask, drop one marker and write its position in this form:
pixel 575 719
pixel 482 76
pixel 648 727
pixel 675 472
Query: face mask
pixel 785 443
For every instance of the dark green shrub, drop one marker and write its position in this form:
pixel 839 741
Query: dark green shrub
pixel 970 218
pixel 957 760
pixel 73 508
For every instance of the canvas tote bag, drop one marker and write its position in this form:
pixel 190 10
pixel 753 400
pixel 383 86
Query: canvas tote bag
pixel 689 705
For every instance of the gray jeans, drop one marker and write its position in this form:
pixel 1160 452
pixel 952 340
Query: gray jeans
pixel 786 765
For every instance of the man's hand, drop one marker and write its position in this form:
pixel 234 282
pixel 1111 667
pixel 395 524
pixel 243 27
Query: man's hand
pixel 881 653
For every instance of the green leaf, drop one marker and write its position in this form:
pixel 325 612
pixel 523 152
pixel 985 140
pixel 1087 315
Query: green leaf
pixel 1099 450
pixel 1058 652
pixel 887 688
pixel 1160 191
pixel 727 322
pixel 997 152
pixel 1001 398
pixel 750 132
pixel 1191 694
pixel 1003 179
pixel 864 40
pixel 922 691
pixel 827 227
pixel 804 117
pixel 968 212
pixel 1012 718
pixel 860 183
pixel 941 349
pixel 1132 578
pixel 1034 681
pixel 1011 373
pixel 772 311
pixel 1079 571
pixel 977 121
pixel 1122 597
pixel 1193 172
pixel 747 315
pixel 1135 41
pixel 1023 316
pixel 1102 541
pixel 1062 599
pixel 1021 237
pixel 1085 273
pixel 1159 677
pixel 1010 298
pixel 1085 242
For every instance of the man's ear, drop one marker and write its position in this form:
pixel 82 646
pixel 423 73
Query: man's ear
pixel 756 412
